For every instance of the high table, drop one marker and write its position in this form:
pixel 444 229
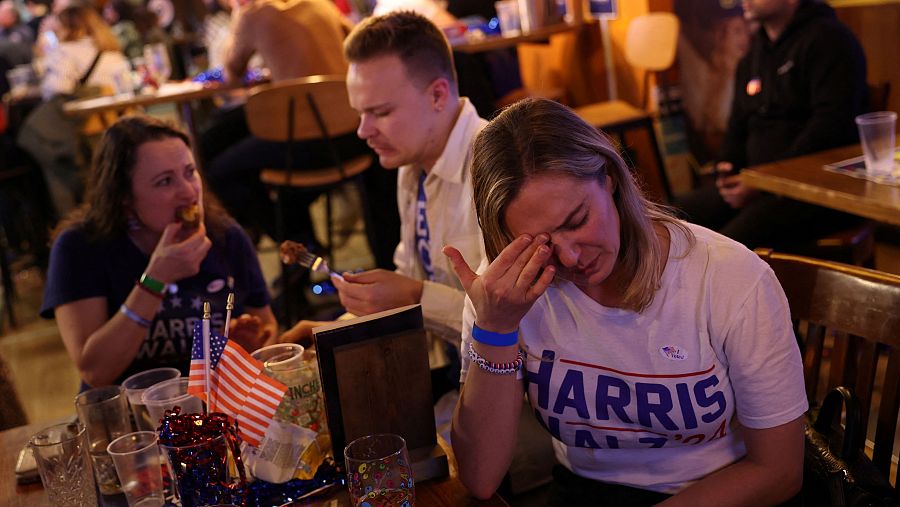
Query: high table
pixel 805 179
pixel 182 94
pixel 447 491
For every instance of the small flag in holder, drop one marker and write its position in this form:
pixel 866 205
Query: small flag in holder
pixel 237 384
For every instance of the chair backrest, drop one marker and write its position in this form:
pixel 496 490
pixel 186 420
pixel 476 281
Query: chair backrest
pixel 847 320
pixel 651 41
pixel 299 109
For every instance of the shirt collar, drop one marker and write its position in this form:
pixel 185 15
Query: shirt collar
pixel 450 165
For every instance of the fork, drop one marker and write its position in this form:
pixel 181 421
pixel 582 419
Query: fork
pixel 315 263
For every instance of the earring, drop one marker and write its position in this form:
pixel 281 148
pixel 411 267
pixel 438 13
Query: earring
pixel 133 223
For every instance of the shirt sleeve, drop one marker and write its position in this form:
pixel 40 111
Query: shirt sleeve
pixel 442 309
pixel 734 142
pixel 764 363
pixel 75 272
pixel 837 87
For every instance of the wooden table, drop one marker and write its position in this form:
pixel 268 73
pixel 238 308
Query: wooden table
pixel 805 179
pixel 179 93
pixel 438 492
pixel 499 42
pixel 182 94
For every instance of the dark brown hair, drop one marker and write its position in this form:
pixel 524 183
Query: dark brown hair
pixel 415 40
pixel 109 182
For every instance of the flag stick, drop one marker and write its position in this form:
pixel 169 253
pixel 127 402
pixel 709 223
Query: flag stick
pixel 229 306
pixel 206 356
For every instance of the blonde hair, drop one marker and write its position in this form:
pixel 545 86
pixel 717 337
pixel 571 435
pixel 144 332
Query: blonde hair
pixel 78 21
pixel 539 136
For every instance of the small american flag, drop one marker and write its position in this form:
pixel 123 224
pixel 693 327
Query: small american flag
pixel 238 386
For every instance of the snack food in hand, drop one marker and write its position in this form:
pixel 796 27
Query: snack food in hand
pixel 189 216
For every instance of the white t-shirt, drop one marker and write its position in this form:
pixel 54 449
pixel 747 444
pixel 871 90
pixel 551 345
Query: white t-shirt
pixel 655 400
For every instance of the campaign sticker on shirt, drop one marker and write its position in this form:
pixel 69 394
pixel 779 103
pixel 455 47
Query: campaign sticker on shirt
pixel 215 286
pixel 673 352
pixel 754 86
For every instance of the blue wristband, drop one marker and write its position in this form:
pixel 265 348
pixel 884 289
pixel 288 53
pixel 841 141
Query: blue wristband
pixel 137 319
pixel 495 339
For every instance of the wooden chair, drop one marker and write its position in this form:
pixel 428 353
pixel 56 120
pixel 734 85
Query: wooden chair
pixel 649 45
pixel 848 323
pixel 305 109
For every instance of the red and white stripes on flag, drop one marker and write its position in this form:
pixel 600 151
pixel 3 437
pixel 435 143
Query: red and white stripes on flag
pixel 238 387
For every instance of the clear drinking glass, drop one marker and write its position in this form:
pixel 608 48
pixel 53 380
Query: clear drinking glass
pixel 104 413
pixel 138 463
pixel 61 452
pixel 135 386
pixel 379 472
pixel 876 134
pixel 169 394
pixel 298 441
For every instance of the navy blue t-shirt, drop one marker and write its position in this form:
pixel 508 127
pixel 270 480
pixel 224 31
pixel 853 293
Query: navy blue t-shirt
pixel 81 269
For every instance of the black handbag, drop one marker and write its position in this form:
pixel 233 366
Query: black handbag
pixel 844 477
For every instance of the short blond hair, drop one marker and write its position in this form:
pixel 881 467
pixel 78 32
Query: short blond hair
pixel 539 136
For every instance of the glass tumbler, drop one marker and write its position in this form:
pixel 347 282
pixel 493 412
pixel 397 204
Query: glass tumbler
pixel 61 452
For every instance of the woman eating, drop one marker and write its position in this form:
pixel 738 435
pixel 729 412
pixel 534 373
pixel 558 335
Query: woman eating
pixel 130 269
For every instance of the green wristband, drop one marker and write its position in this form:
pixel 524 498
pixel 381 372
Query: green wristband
pixel 153 284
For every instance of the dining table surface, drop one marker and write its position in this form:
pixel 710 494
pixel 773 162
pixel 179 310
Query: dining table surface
pixel 174 92
pixel 805 179
pixel 441 492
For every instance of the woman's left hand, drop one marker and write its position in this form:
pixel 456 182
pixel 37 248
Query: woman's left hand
pixel 248 330
pixel 505 292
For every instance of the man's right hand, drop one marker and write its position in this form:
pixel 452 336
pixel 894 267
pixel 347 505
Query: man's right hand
pixel 376 290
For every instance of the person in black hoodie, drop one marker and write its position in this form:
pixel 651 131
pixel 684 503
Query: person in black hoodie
pixel 796 91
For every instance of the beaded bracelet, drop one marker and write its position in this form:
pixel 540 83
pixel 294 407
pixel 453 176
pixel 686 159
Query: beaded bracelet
pixel 497 368
pixel 137 319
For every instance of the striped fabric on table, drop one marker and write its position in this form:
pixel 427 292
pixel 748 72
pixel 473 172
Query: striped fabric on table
pixel 238 386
